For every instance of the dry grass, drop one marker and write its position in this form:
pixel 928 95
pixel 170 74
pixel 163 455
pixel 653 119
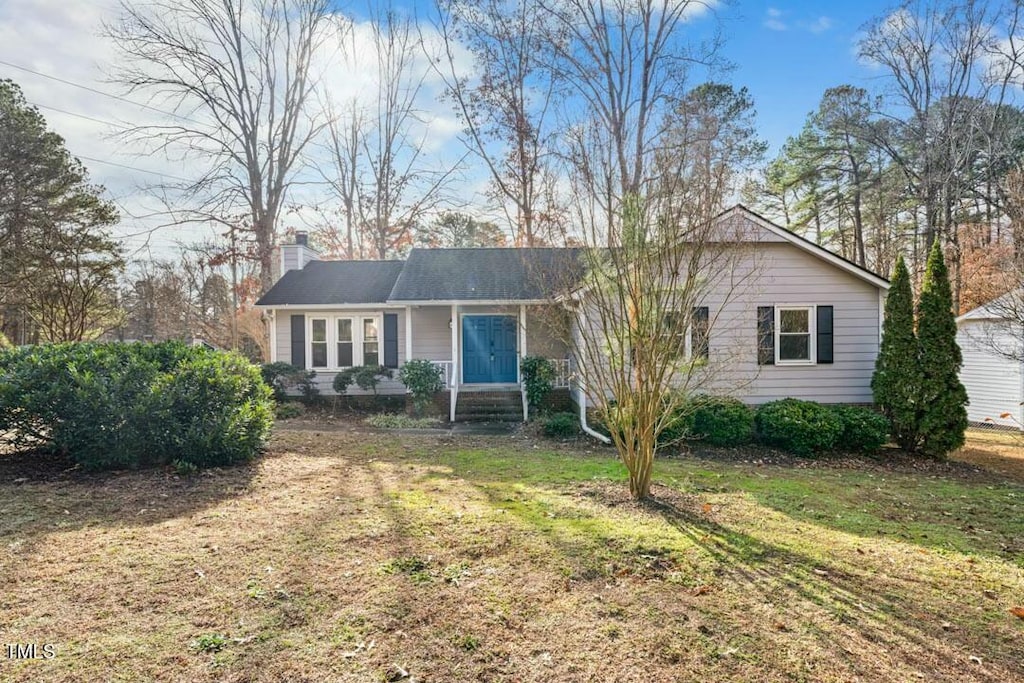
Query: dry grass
pixel 343 554
pixel 1000 451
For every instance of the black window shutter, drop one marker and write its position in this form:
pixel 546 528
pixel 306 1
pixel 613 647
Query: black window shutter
pixel 299 341
pixel 699 330
pixel 824 334
pixel 391 340
pixel 766 335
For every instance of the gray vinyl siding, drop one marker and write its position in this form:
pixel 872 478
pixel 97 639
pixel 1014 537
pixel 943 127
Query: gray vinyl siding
pixel 784 275
pixel 431 336
pixel 779 274
pixel 993 382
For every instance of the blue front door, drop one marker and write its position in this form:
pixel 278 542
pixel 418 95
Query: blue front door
pixel 489 349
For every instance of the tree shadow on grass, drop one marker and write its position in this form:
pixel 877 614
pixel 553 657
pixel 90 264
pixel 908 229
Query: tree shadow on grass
pixel 42 494
pixel 861 613
pixel 870 620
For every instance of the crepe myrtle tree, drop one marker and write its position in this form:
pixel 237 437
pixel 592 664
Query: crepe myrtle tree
pixel 642 322
pixel 648 160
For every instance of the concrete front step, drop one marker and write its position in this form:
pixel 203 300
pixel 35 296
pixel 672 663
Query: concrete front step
pixel 489 406
pixel 489 417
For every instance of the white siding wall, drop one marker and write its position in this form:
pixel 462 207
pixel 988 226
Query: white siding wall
pixel 993 382
pixel 325 378
pixel 431 337
pixel 773 273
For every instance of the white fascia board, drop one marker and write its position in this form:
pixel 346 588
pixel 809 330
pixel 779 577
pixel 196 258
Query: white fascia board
pixel 326 307
pixel 468 302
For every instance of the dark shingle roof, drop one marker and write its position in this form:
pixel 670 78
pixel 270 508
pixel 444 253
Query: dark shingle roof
pixel 335 282
pixel 483 274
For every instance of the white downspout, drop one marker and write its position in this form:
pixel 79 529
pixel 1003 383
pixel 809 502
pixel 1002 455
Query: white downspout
pixel 583 395
pixel 583 420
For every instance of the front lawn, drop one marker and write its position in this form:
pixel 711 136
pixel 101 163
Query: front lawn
pixel 356 556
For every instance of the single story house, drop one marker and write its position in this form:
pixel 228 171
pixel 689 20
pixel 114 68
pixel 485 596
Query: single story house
pixel 805 322
pixel 993 361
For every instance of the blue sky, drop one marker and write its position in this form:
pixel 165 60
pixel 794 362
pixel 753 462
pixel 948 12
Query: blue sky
pixel 787 52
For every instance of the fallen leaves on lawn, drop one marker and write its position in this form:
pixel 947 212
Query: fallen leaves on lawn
pixel 1017 612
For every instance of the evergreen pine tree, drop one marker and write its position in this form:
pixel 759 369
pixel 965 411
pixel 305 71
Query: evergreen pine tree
pixel 943 397
pixel 896 383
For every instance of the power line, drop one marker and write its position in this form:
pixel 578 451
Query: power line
pixel 81 116
pixel 100 92
pixel 134 168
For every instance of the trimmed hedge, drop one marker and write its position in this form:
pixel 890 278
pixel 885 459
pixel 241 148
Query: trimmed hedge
pixel 800 427
pixel 134 405
pixel 721 421
pixel 864 429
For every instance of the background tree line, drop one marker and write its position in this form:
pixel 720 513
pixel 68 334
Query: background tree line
pixel 935 152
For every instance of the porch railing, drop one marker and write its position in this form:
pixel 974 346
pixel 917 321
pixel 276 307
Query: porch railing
pixel 446 371
pixel 563 372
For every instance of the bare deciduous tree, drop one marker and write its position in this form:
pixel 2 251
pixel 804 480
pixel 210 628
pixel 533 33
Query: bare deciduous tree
pixel 506 105
pixel 651 165
pixel 377 146
pixel 239 75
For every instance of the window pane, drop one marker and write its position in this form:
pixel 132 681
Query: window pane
pixel 370 354
pixel 370 329
pixel 344 330
pixel 345 355
pixel 319 354
pixel 674 329
pixel 795 347
pixel 319 331
pixel 794 320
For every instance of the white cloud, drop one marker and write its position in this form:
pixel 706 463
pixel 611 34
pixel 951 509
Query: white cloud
pixel 773 20
pixel 819 25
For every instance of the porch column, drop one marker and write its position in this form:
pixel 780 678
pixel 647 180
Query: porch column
pixel 522 338
pixel 522 355
pixel 453 390
pixel 408 333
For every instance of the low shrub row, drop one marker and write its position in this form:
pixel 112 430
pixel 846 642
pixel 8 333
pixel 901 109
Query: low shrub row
pixel 134 405
pixel 799 427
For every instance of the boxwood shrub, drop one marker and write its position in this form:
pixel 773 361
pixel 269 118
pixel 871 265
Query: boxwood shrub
pixel 864 429
pixel 560 425
pixel 134 405
pixel 721 421
pixel 800 427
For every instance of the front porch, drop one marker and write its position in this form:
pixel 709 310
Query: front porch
pixel 486 344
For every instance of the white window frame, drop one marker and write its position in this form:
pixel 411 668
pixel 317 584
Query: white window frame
pixel 327 342
pixel 352 320
pixel 379 323
pixel 332 339
pixel 812 343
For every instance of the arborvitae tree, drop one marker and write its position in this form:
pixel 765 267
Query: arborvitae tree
pixel 896 384
pixel 943 398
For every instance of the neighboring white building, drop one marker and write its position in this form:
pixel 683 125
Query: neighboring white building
pixel 993 369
